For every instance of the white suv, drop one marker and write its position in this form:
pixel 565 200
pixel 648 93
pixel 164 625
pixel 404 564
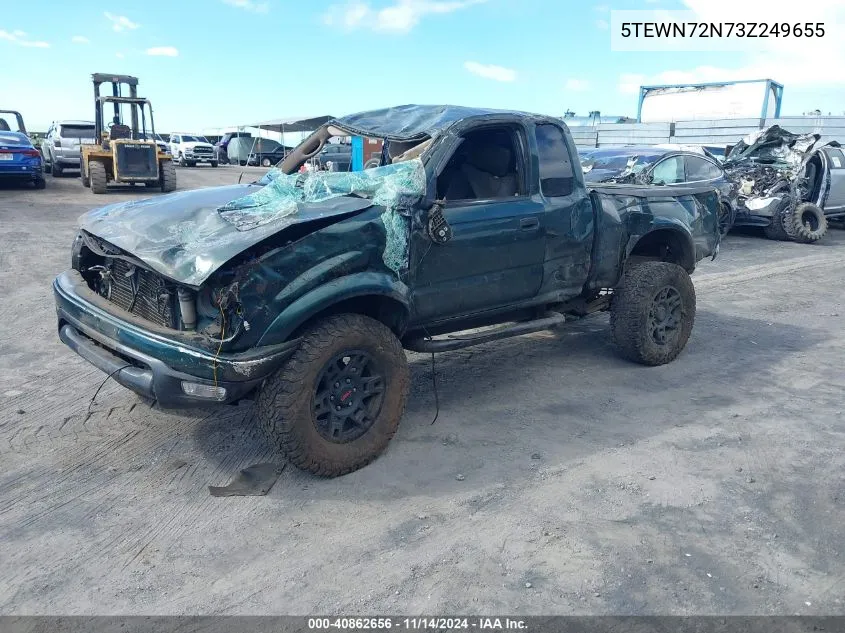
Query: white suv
pixel 190 149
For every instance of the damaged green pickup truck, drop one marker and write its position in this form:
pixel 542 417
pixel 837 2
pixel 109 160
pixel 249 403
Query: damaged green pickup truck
pixel 302 289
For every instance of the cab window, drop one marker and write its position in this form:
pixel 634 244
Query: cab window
pixel 669 171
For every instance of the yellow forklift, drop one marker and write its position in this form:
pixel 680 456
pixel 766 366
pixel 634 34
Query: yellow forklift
pixel 124 153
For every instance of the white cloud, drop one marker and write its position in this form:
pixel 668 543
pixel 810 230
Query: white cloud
pixel 119 55
pixel 399 17
pixel 80 39
pixel 19 38
pixel 163 51
pixel 489 71
pixel 121 22
pixel 249 5
pixel 577 85
pixel 602 24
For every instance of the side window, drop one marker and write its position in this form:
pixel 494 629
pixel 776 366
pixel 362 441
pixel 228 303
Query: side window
pixel 555 165
pixel 837 158
pixel 486 166
pixel 175 139
pixel 669 171
pixel 701 169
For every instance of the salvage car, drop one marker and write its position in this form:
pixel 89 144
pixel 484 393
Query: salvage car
pixel 789 184
pixel 668 165
pixel 20 161
pixel 302 289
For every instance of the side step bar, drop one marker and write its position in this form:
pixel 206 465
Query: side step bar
pixel 450 344
pixel 575 309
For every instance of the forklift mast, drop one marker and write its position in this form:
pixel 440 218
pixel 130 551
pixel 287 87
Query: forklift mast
pixel 116 81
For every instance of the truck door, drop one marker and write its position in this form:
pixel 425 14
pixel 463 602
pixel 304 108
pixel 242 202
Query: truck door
pixel 495 256
pixel 569 219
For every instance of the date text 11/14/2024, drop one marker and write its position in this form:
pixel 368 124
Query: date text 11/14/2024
pixel 416 624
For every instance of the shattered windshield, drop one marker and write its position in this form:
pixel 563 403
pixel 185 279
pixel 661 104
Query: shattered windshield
pixel 391 186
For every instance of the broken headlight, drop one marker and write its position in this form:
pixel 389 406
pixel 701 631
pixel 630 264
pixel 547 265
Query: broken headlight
pixel 76 253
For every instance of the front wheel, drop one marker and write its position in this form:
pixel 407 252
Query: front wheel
pixel 336 403
pixel 652 313
pixel 214 163
pixel 167 177
pixel 97 176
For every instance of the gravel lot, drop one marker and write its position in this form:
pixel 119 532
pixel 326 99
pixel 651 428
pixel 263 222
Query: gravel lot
pixel 557 479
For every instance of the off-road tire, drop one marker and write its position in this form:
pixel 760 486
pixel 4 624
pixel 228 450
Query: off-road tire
pixel 97 174
pixel 810 223
pixel 285 409
pixel 56 170
pixel 776 229
pixel 167 178
pixel 631 312
pixel 39 183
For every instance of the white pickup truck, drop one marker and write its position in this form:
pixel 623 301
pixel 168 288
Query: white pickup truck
pixel 190 149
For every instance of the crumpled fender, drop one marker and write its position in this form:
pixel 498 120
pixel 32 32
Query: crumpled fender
pixel 364 284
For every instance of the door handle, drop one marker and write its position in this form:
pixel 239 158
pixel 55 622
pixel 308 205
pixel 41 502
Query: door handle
pixel 529 224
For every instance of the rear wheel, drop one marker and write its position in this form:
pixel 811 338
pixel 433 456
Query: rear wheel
pixel 167 179
pixel 40 183
pixel 809 222
pixel 335 405
pixel 97 174
pixel 266 162
pixel 652 313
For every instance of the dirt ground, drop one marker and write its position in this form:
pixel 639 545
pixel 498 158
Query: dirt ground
pixel 557 479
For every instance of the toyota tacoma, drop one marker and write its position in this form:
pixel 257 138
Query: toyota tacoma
pixel 301 290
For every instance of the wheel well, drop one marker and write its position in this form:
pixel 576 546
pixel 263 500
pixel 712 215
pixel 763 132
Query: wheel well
pixel 386 310
pixel 664 245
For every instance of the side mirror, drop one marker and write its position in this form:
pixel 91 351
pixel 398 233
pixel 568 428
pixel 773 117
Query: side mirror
pixel 437 227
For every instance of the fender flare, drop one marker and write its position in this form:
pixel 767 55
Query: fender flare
pixel 675 228
pixel 322 298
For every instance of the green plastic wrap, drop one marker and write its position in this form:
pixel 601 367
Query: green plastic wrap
pixel 395 187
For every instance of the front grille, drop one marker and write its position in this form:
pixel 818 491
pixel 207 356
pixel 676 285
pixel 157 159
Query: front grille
pixel 139 161
pixel 141 292
pixel 203 150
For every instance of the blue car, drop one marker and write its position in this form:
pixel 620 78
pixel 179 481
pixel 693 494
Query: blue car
pixel 19 160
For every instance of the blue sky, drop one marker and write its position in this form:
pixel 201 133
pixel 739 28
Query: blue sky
pixel 208 63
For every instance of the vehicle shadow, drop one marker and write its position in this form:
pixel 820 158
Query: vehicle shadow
pixel 508 408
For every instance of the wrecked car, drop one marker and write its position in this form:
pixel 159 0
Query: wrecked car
pixel 787 183
pixel 670 165
pixel 302 289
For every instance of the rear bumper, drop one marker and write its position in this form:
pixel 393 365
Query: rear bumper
pixel 146 361
pixel 21 172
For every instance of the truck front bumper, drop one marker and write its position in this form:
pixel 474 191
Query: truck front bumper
pixel 171 372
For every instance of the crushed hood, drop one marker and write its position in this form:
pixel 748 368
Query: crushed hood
pixel 185 236
pixel 776 146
